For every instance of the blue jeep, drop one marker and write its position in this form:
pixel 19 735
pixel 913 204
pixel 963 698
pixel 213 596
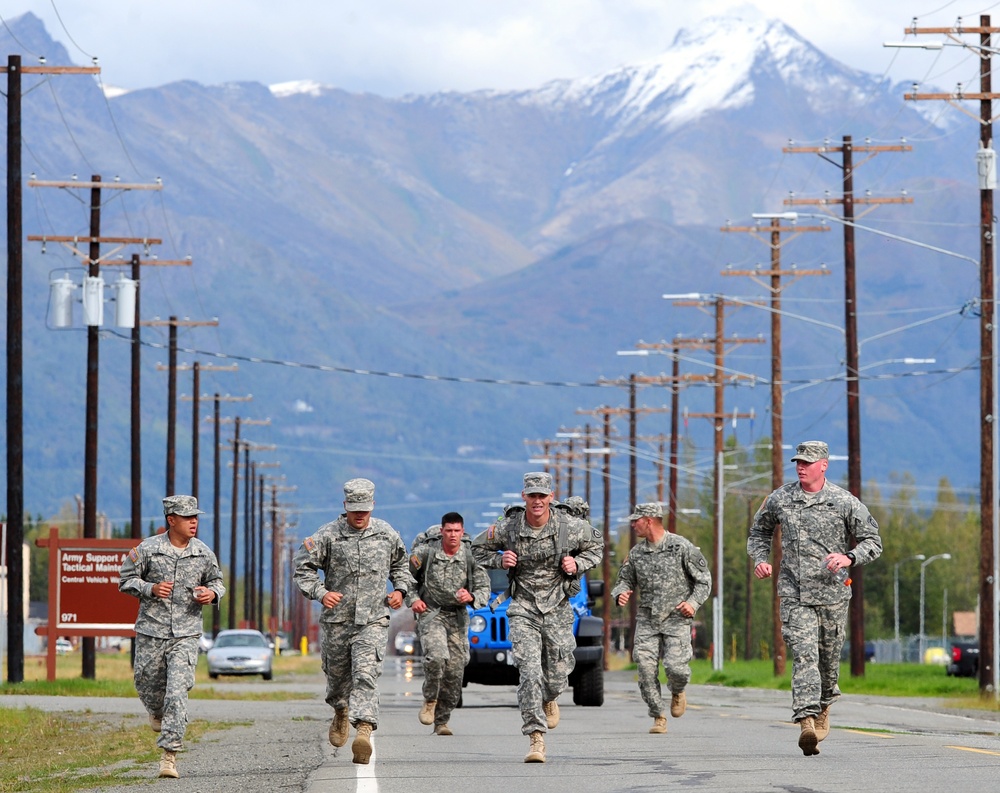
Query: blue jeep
pixel 492 662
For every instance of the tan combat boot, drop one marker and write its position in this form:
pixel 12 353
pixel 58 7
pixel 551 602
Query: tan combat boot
pixel 168 765
pixel 443 729
pixel 427 712
pixel 362 746
pixel 536 752
pixel 551 714
pixel 659 725
pixel 154 722
pixel 678 704
pixel 823 723
pixel 807 736
pixel 340 727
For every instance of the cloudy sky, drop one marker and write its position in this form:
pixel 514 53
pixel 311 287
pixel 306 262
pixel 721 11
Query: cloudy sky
pixel 393 47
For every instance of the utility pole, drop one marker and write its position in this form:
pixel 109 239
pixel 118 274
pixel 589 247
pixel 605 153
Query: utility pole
pixel 217 493
pixel 775 287
pixel 171 369
pixel 196 370
pixel 237 445
pixel 136 421
pixel 92 257
pixel 989 532
pixel 605 413
pixel 675 380
pixel 847 166
pixel 718 416
pixel 15 361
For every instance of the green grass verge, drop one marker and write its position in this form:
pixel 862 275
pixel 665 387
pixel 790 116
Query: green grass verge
pixel 49 752
pixel 113 678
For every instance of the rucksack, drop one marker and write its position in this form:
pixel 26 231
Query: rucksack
pixel 432 536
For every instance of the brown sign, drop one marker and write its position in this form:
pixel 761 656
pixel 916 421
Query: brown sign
pixel 83 591
pixel 87 592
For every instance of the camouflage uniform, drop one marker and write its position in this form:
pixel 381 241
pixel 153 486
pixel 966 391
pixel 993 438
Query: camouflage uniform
pixel 355 562
pixel 540 616
pixel 814 604
pixel 663 575
pixel 444 627
pixel 167 629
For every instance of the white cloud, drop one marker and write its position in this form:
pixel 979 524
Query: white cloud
pixel 393 47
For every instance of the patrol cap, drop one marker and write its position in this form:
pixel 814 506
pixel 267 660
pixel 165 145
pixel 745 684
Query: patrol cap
pixel 537 482
pixel 185 506
pixel 650 509
pixel 811 451
pixel 359 495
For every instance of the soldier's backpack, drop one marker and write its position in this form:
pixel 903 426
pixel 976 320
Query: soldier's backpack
pixel 432 536
pixel 572 583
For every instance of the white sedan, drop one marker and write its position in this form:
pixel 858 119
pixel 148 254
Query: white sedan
pixel 240 652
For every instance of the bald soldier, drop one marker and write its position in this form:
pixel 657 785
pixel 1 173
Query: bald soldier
pixel 671 578
pixel 357 554
pixel 545 551
pixel 818 523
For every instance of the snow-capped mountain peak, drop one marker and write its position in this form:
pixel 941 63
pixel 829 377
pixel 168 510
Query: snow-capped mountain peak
pixel 710 69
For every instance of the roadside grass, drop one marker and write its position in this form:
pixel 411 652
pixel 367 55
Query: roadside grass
pixel 48 752
pixel 113 678
pixel 888 680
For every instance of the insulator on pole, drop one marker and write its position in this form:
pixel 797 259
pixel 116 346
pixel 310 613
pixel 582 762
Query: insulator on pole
pixel 125 289
pixel 93 301
pixel 61 302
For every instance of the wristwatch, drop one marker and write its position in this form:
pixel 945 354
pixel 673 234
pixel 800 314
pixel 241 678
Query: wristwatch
pixel 850 555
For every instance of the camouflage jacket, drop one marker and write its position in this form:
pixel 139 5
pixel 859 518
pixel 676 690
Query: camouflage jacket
pixel 357 564
pixel 538 584
pixel 664 575
pixel 151 562
pixel 813 525
pixel 440 576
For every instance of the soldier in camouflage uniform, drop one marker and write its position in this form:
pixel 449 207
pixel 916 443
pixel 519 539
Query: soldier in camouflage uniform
pixel 544 574
pixel 817 520
pixel 356 554
pixel 441 569
pixel 673 580
pixel 174 575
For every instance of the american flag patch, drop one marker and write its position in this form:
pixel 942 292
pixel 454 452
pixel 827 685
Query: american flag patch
pixel 415 561
pixel 134 555
pixel 491 532
pixel 310 544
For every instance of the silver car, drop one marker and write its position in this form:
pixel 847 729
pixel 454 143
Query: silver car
pixel 240 652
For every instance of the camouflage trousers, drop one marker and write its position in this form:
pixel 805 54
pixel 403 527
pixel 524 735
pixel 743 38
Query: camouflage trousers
pixel 543 646
pixel 814 636
pixel 444 639
pixel 164 673
pixel 649 647
pixel 352 662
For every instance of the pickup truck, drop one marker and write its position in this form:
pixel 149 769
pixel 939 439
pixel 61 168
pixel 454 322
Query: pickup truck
pixel 964 658
pixel 492 662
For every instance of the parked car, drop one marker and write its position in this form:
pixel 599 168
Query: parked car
pixel 407 643
pixel 964 658
pixel 240 652
pixel 63 646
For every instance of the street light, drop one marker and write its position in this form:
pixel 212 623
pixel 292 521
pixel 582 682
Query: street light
pixel 922 566
pixel 895 589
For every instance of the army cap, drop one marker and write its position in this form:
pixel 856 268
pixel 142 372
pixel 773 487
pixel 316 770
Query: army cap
pixel 537 482
pixel 650 509
pixel 359 495
pixel 185 506
pixel 811 451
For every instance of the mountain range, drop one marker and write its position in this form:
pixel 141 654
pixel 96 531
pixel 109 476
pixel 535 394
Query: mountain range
pixel 456 242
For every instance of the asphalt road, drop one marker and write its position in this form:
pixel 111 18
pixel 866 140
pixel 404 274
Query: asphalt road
pixel 729 740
